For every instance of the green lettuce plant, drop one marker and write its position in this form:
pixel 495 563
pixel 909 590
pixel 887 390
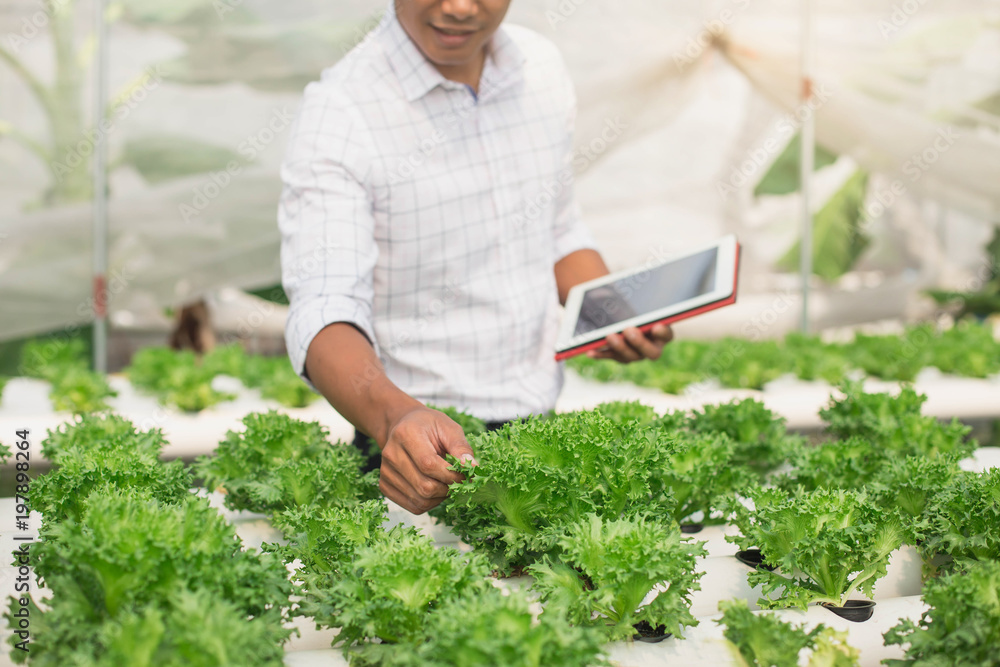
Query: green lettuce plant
pixel 538 473
pixel 761 441
pixel 894 423
pixel 277 462
pixel 127 554
pixel 397 582
pixel 491 628
pixel 960 522
pixel 764 640
pixel 962 626
pixel 606 569
pixel 824 544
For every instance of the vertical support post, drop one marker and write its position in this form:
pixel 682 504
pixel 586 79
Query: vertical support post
pixel 100 205
pixel 807 156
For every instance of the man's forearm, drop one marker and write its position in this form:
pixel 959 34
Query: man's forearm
pixel 342 365
pixel 578 267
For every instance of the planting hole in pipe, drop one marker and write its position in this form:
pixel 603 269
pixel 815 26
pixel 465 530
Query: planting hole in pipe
pixel 647 633
pixel 857 611
pixel 754 558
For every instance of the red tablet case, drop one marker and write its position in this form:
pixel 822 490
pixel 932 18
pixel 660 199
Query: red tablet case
pixel 566 354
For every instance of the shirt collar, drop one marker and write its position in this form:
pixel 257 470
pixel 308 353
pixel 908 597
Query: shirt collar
pixel 418 76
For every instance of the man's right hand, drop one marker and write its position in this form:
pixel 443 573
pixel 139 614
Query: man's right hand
pixel 414 472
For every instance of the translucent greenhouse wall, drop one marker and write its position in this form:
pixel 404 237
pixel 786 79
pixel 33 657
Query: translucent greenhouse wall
pixel 685 108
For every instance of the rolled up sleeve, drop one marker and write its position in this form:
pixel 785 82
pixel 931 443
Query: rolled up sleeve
pixel 328 250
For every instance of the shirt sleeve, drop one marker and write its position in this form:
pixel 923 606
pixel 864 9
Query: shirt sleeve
pixel 569 231
pixel 328 249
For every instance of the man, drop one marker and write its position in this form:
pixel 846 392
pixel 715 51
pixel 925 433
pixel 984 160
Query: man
pixel 428 219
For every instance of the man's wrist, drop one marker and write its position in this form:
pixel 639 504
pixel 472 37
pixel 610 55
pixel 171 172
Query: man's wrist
pixel 395 405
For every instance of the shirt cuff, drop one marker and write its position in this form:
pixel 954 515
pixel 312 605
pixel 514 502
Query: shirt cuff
pixel 307 319
pixel 577 237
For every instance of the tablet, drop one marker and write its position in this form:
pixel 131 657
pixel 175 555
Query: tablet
pixel 663 291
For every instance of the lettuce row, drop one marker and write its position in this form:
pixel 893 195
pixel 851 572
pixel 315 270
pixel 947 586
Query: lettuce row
pixel 64 364
pixel 180 378
pixel 141 571
pixel 175 377
pixel 384 589
pixel 394 596
pixel 894 423
pixel 967 349
pixel 278 462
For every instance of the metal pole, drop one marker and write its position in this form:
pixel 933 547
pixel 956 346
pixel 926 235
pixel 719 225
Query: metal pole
pixel 808 151
pixel 100 209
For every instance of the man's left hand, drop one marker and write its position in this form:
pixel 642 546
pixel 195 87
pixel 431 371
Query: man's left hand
pixel 634 345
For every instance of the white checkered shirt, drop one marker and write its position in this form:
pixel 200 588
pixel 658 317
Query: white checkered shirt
pixel 432 220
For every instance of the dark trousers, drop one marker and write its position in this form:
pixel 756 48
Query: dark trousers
pixel 373 455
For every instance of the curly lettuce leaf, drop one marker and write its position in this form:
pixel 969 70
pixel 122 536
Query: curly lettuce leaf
pixel 278 462
pixel 104 433
pixel 607 568
pixel 398 582
pixel 960 523
pixel 962 626
pixel 490 628
pixel 761 440
pixel 539 473
pixel 764 640
pixel 826 544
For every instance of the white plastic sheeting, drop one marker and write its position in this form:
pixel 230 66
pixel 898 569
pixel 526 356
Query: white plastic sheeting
pixel 683 107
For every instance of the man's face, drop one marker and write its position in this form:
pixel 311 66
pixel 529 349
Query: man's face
pixel 451 33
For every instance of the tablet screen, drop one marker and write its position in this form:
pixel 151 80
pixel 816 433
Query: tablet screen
pixel 654 289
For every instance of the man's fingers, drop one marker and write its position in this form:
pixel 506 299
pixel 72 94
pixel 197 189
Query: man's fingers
pixel 662 332
pixel 623 350
pixel 458 446
pixel 647 349
pixel 425 462
pixel 398 489
pixel 419 465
